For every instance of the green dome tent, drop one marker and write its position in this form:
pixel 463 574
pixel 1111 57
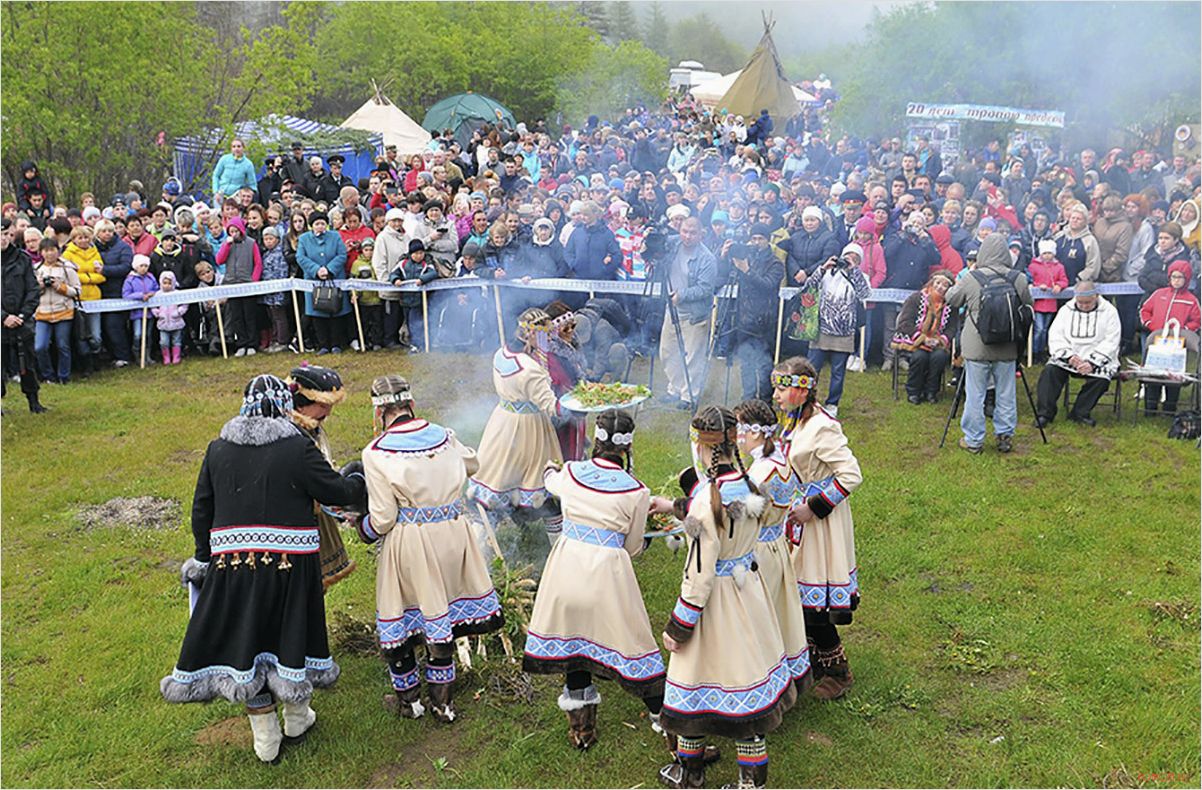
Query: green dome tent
pixel 464 114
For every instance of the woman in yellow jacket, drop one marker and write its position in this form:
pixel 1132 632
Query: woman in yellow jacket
pixel 83 254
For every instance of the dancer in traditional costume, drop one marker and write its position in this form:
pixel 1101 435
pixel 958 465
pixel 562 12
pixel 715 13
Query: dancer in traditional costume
pixel 769 470
pixel 519 439
pixel 588 618
pixel 728 674
pixel 566 365
pixel 432 585
pixel 258 631
pixel 819 523
pixel 315 393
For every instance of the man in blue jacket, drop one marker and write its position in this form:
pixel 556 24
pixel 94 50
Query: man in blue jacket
pixel 592 252
pixel 234 171
pixel 692 273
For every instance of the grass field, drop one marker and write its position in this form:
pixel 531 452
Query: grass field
pixel 1029 619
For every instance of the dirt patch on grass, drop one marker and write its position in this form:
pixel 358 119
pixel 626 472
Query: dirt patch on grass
pixel 233 731
pixel 349 634
pixel 818 739
pixel 144 512
pixel 430 761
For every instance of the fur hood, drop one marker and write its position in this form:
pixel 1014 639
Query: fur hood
pixel 258 431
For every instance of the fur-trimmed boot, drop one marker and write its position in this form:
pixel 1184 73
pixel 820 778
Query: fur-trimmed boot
pixel 299 718
pixel 688 769
pixel 407 704
pixel 581 707
pixel 753 764
pixel 834 672
pixel 710 753
pixel 265 725
pixel 440 680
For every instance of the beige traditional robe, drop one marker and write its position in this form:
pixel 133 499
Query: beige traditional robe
pixel 589 614
pixel 431 581
pixel 731 676
pixel 825 559
pixel 519 438
pixel 771 476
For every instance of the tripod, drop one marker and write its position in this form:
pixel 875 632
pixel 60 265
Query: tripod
pixel 1022 375
pixel 722 331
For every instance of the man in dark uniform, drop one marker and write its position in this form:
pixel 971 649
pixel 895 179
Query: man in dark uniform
pixel 331 183
pixel 296 167
pixel 20 296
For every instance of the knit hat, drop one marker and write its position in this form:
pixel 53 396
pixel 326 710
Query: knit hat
pixel 1171 228
pixel 575 206
pixel 270 230
pixel 140 260
pixel 679 211
pixel 854 249
pixel 318 216
pixel 719 216
pixel 989 223
pixel 90 212
pixel 471 250
pixel 393 213
pixel 760 229
pixel 1047 245
pixel 367 242
pixel 415 245
pixel 1015 241
pixel 811 211
pixel 167 276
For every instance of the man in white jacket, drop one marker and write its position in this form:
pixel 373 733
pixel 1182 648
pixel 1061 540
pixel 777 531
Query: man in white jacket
pixel 1083 342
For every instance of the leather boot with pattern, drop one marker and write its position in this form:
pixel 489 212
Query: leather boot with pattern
pixel 582 726
pixel 751 777
pixel 683 772
pixel 406 704
pixel 440 701
pixel 836 674
pixel 709 755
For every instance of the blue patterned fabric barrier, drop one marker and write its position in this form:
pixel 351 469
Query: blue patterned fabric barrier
pixel 461 611
pixel 734 703
pixel 261 537
pixel 597 536
pixel 829 596
pixel 430 515
pixel 244 676
pixel 558 648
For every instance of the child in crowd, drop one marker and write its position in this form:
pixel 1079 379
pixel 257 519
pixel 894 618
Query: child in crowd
pixel 208 338
pixel 415 269
pixel 371 309
pixel 170 321
pixel 275 267
pixel 1173 302
pixel 139 284
pixel 1046 272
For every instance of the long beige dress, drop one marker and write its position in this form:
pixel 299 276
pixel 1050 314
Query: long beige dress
pixel 772 478
pixel 431 581
pixel 731 676
pixel 589 614
pixel 825 559
pixel 519 438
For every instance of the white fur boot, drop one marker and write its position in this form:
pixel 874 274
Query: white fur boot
pixel 266 729
pixel 298 718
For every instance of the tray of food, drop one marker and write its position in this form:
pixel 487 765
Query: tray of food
pixel 593 396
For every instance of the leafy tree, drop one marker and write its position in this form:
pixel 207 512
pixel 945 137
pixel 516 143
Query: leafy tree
pixel 623 26
pixel 657 30
pixel 700 38
pixel 595 16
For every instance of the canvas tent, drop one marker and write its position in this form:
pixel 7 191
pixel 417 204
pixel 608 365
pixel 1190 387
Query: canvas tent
pixel 465 113
pixel 194 157
pixel 761 84
pixel 710 92
pixel 380 115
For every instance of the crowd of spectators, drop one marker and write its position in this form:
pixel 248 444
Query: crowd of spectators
pixel 696 198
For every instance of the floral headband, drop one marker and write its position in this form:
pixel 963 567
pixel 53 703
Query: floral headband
pixel 767 430
pixel 620 439
pixel 793 380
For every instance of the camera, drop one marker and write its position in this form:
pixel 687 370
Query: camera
pixel 48 281
pixel 654 245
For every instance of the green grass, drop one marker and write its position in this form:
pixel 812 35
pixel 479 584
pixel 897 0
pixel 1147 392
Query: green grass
pixel 1029 619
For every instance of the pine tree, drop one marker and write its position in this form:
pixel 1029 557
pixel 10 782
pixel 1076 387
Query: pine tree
pixel 657 29
pixel 623 26
pixel 595 16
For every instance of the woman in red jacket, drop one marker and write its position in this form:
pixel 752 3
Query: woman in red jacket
pixel 1172 302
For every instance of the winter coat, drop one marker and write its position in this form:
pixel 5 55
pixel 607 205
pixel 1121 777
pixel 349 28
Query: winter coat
pixel 19 292
pixel 587 250
pixel 143 245
pixel 274 268
pixel 807 251
pixel 391 248
pixel 353 239
pixel 362 269
pixel 697 298
pixel 29 186
pixel 911 316
pixel 1155 274
pixel 1080 255
pixel 873 264
pixel 755 308
pixel 541 260
pixel 1166 303
pixel 169 317
pixel 118 258
pixel 949 259
pixel 1047 275
pixel 1114 244
pixel 314 252
pixel 1143 240
pixel 193 250
pixel 174 262
pixel 135 286
pixel 87 264
pixel 424 271
pixel 57 303
pixel 242 261
pixel 232 173
pixel 909 259
pixel 993 261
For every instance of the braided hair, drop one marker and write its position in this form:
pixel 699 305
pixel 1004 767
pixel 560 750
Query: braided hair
pixel 757 412
pixel 799 366
pixel 615 421
pixel 721 419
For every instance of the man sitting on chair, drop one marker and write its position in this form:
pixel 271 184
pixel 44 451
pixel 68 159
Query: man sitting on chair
pixel 1083 342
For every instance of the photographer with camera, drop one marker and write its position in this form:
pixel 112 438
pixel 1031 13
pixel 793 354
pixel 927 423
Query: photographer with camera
pixel 758 274
pixel 844 290
pixel 60 288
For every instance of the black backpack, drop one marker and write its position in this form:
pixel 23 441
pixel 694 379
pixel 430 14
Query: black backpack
pixel 1002 317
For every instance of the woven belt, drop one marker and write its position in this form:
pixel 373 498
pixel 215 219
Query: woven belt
pixel 769 534
pixel 727 567
pixel 520 406
pixel 598 536
pixel 427 515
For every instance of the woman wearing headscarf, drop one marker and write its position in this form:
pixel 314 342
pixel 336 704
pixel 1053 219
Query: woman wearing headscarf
pixel 258 632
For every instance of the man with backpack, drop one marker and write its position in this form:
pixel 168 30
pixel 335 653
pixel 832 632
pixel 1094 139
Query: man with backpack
pixel 997 303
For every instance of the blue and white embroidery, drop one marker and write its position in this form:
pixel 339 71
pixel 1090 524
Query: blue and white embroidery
pixel 554 648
